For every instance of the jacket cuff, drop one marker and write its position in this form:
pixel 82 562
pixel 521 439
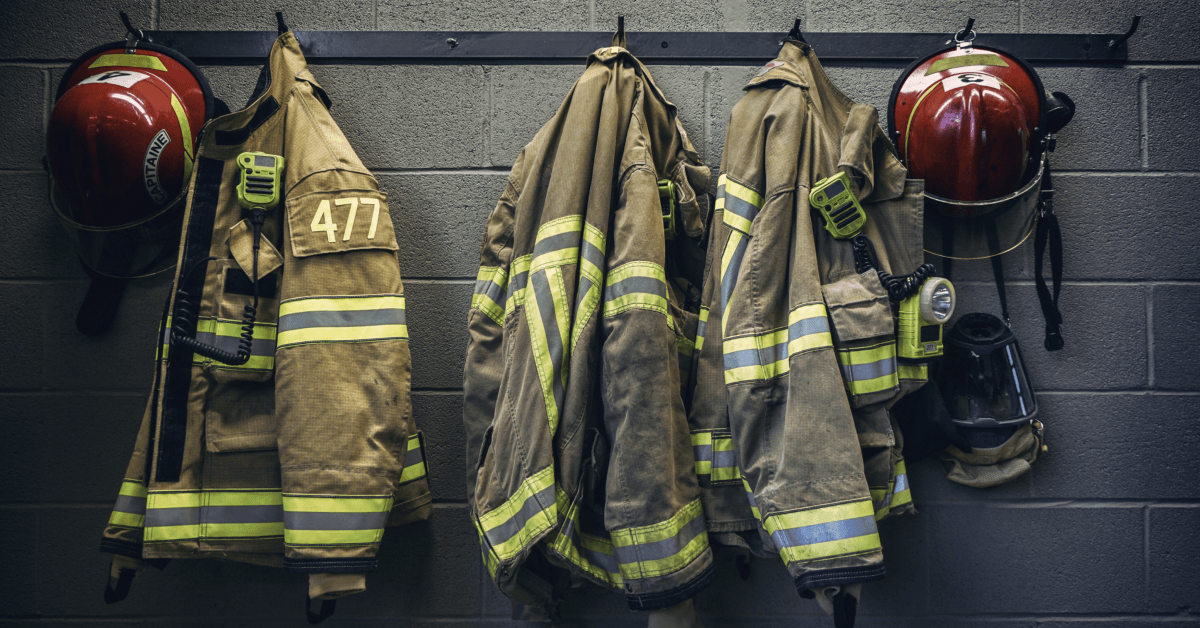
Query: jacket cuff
pixel 329 565
pixel 328 586
pixel 671 597
pixel 837 577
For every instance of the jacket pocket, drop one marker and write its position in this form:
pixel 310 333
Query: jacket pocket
pixel 240 416
pixel 224 330
pixel 716 462
pixel 864 337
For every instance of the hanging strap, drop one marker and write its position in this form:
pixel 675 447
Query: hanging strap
pixel 998 268
pixel 118 588
pixel 327 608
pixel 1048 230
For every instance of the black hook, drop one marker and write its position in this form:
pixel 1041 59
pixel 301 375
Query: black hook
pixel 619 36
pixel 966 31
pixel 283 27
pixel 129 27
pixel 1137 19
pixel 796 33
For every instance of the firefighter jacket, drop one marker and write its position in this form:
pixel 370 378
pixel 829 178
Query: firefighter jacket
pixel 796 362
pixel 579 462
pixel 299 457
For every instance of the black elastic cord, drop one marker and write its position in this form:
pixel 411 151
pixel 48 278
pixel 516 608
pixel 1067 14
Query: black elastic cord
pixel 327 608
pixel 112 594
pixel 1049 231
pixel 845 609
pixel 997 267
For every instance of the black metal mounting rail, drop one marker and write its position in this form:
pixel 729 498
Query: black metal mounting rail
pixel 694 48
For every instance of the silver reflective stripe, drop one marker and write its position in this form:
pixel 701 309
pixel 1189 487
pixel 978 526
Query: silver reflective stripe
pixel 130 504
pixel 531 507
pixel 665 548
pixel 296 520
pixel 871 370
pixel 162 517
pixel 607 562
pixel 260 346
pixel 343 318
pixel 823 532
pixel 647 285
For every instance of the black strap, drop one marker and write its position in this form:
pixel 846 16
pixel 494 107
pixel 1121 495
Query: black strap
pixel 114 593
pixel 327 608
pixel 845 608
pixel 997 267
pixel 99 307
pixel 1048 230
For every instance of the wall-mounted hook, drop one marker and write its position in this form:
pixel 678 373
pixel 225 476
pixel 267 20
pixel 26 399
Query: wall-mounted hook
pixel 966 31
pixel 796 33
pixel 1137 19
pixel 283 27
pixel 132 35
pixel 619 37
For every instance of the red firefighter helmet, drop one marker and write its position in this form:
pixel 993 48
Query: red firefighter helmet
pixel 972 121
pixel 120 147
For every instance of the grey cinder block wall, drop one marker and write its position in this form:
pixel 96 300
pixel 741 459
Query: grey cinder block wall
pixel 1104 532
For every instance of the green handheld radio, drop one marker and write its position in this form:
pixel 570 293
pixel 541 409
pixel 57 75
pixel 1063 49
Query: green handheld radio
pixel 666 197
pixel 833 196
pixel 919 333
pixel 259 179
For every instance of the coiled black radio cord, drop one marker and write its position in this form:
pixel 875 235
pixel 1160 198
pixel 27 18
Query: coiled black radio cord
pixel 898 287
pixel 180 334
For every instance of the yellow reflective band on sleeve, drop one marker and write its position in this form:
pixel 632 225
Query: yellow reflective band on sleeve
pixel 334 520
pixel 342 319
pixel 226 334
pixel 148 62
pixel 549 323
pixel 592 554
pixel 724 461
pixel 702 451
pixel 516 524
pixel 518 282
pixel 914 372
pixel 164 338
pixel 185 129
pixel 701 327
pixel 192 515
pixel 750 497
pixel 901 492
pixel 636 285
pixel 808 328
pixel 490 286
pixel 662 548
pixel 824 533
pixel 731 263
pixel 129 511
pixel 869 369
pixel 739 203
pixel 414 462
pixel 758 357
pixel 557 243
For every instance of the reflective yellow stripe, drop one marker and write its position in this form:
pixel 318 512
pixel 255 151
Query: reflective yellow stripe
pixel 738 203
pixel 518 283
pixel 342 319
pixel 591 554
pixel 332 537
pixel 133 488
pixel 824 533
pixel 750 498
pixel 918 372
pixel 413 470
pixel 334 520
pixel 513 525
pixel 869 369
pixel 902 492
pixel 242 530
pixel 556 255
pixel 722 473
pixel 702 448
pixel 126 519
pixel 661 548
pixel 645 295
pixel 808 328
pixel 490 285
pixel 241 513
pixel 761 356
pixel 148 62
pixel 701 327
pixel 306 503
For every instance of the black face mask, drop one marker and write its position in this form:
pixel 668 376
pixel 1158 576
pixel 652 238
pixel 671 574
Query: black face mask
pixel 983 378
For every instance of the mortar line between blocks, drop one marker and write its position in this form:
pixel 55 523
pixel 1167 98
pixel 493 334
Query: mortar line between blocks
pixel 1150 336
pixel 488 116
pixel 1144 118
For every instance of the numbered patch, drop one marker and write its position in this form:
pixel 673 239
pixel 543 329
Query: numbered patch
pixel 959 81
pixel 326 222
pixel 124 78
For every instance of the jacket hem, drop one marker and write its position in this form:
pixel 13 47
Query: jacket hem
pixel 329 565
pixel 131 550
pixel 418 509
pixel 839 576
pixel 664 599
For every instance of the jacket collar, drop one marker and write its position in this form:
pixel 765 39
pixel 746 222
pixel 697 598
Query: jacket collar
pixel 865 152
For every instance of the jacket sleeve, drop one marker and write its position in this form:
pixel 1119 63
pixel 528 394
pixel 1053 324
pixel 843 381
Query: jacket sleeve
pixel 342 357
pixel 792 425
pixel 654 516
pixel 484 364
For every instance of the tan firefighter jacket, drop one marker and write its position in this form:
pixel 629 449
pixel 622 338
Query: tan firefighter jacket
pixel 796 363
pixel 579 461
pixel 301 456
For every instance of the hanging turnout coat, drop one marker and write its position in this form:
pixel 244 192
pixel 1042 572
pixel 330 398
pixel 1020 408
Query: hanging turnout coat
pixel 584 314
pixel 796 364
pixel 301 456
